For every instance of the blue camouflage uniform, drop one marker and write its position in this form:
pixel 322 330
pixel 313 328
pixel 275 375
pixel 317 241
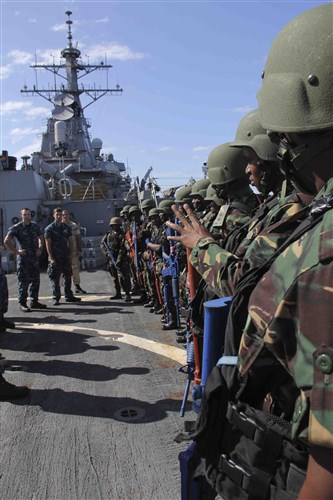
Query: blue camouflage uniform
pixel 59 234
pixel 28 272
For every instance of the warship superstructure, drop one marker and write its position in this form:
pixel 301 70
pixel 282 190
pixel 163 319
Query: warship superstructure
pixel 70 169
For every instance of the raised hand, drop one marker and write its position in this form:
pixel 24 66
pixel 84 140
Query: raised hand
pixel 190 230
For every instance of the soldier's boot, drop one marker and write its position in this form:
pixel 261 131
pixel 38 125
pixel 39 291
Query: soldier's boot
pixel 172 324
pixel 78 289
pixel 5 323
pixel 117 294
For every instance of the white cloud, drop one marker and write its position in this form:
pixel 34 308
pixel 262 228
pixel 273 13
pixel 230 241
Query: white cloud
pixel 28 149
pixel 113 51
pixel 243 109
pixel 165 148
pixel 32 20
pixel 11 106
pixel 103 20
pixel 34 112
pixel 20 57
pixel 5 71
pixel 25 107
pixel 18 133
pixel 196 149
pixel 59 27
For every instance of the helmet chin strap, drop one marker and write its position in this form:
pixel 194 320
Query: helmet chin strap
pixel 294 158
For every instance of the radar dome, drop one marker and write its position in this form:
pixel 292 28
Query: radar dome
pixel 97 145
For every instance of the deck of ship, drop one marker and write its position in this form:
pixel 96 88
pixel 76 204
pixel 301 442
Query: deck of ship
pixel 103 410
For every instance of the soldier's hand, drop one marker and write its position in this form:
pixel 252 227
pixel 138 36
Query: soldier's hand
pixel 21 251
pixel 189 229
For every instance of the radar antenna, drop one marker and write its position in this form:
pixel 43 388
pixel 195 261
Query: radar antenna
pixel 69 71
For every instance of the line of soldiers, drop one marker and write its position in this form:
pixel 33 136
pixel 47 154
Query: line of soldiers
pixel 265 423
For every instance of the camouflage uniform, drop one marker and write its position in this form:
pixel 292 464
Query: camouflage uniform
pixel 119 269
pixel 59 234
pixel 141 247
pixel 222 269
pixel 28 273
pixel 147 274
pixel 234 214
pixel 290 303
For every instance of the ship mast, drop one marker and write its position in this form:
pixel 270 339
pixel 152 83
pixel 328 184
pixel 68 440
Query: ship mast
pixel 72 67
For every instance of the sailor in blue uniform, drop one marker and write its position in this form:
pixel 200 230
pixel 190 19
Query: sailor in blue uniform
pixel 57 240
pixel 30 243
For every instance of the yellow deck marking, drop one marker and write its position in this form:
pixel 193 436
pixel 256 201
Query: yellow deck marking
pixel 170 352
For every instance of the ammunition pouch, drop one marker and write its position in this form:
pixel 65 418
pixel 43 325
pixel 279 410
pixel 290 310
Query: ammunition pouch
pixel 259 460
pixel 249 453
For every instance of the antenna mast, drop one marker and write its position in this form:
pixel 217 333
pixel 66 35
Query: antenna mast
pixel 69 72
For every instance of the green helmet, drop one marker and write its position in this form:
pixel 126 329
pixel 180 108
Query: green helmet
pixel 296 92
pixel 199 188
pixel 166 203
pixel 115 221
pixel 148 204
pixel 251 134
pixel 227 165
pixel 153 212
pixel 134 209
pixel 126 209
pixel 183 195
pixel 167 211
pixel 212 196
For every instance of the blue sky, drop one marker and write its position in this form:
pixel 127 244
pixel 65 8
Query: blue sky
pixel 190 71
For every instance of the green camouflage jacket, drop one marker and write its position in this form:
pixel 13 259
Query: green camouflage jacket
pixel 222 270
pixel 291 315
pixel 234 214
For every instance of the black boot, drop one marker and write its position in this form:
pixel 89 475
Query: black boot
pixel 172 325
pixel 5 323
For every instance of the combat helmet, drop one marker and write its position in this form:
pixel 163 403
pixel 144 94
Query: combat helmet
pixel 134 210
pixel 149 203
pixel 250 133
pixel 115 221
pixel 199 188
pixel 183 195
pixel 226 166
pixel 126 208
pixel 297 93
pixel 153 212
pixel 212 196
pixel 167 211
pixel 166 203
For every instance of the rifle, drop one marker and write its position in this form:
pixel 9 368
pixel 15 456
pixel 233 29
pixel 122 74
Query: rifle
pixel 108 251
pixel 136 255
pixel 188 369
pixel 157 283
pixel 194 278
pixel 172 270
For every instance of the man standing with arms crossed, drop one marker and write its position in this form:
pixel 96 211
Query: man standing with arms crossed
pixel 30 240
